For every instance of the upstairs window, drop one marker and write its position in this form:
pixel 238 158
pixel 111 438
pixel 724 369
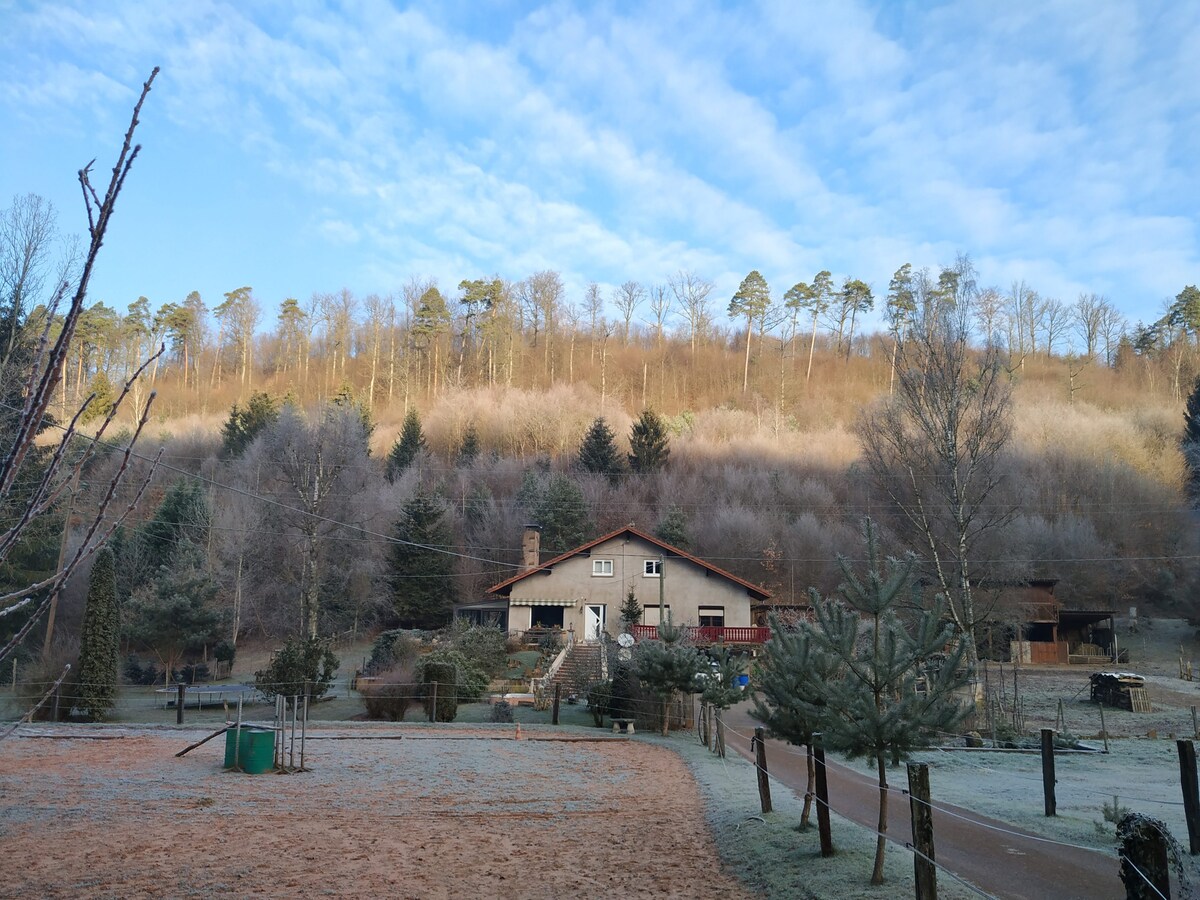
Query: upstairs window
pixel 602 567
pixel 712 616
pixel 652 568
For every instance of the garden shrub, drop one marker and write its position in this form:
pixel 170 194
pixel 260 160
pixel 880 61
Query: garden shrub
pixel 485 646
pixel 392 694
pixel 471 680
pixel 301 666
pixel 502 711
pixel 443 673
pixel 137 672
pixel 392 648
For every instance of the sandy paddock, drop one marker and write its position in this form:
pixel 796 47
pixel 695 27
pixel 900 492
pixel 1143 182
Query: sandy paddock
pixel 444 812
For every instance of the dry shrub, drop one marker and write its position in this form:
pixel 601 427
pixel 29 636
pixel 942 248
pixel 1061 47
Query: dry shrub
pixel 392 693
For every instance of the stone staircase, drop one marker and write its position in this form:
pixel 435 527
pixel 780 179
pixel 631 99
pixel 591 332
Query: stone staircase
pixel 581 667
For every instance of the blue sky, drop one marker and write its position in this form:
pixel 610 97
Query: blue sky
pixel 301 147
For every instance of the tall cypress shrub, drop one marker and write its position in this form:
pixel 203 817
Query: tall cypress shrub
pixel 99 643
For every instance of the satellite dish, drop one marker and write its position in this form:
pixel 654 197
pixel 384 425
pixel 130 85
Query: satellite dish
pixel 625 639
pixel 624 654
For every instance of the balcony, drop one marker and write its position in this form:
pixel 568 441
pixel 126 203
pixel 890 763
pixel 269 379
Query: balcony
pixel 704 635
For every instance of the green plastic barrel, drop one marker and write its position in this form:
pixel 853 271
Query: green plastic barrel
pixel 256 753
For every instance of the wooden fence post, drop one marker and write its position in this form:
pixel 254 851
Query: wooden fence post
pixel 1144 849
pixel 822 787
pixel 922 831
pixel 557 697
pixel 180 687
pixel 433 705
pixel 1048 770
pixel 1191 793
pixel 760 762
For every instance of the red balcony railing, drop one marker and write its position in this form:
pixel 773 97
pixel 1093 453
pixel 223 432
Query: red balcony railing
pixel 710 634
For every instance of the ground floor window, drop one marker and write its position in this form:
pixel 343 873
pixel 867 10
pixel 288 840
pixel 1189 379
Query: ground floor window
pixel 548 617
pixel 653 615
pixel 712 617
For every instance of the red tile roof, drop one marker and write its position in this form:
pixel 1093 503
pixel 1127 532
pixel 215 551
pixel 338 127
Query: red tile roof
pixel 754 589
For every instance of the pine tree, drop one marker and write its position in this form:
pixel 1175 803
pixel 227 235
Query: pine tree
pixel 468 451
pixel 871 707
pixel 1191 443
pixel 99 640
pixel 666 666
pixel 424 588
pixel 563 515
pixel 407 447
pixel 784 707
pixel 598 452
pixel 649 445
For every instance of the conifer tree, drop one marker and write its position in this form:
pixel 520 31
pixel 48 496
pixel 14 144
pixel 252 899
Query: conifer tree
pixel 649 445
pixel 631 610
pixel 667 666
pixel 598 452
pixel 99 640
pixel 563 515
pixel 871 707
pixel 468 451
pixel 1191 443
pixel 422 578
pixel 672 528
pixel 407 447
pixel 246 423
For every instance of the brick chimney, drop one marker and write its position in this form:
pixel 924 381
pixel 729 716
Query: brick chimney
pixel 531 546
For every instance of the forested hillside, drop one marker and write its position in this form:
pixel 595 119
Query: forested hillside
pixel 284 479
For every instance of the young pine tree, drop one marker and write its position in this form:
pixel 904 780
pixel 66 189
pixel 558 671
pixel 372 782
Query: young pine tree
pixel 99 640
pixel 871 707
pixel 598 452
pixel 631 610
pixel 649 445
pixel 666 666
pixel 407 447
pixel 672 528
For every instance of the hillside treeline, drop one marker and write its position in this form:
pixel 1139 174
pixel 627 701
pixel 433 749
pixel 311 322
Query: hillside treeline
pixel 277 505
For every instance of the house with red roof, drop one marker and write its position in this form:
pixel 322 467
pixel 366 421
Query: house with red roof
pixel 583 590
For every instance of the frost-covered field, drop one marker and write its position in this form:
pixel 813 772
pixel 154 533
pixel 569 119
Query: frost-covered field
pixel 769 855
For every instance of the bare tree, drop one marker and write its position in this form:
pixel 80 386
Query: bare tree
pixel 660 306
pixel 934 448
pixel 627 298
pixel 23 421
pixel 1112 328
pixel 691 291
pixel 1089 316
pixel 1055 318
pixel 318 465
pixel 593 303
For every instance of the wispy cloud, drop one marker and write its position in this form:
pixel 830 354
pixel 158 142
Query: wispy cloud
pixel 1055 142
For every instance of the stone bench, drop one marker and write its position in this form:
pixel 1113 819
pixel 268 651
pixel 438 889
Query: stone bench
pixel 622 726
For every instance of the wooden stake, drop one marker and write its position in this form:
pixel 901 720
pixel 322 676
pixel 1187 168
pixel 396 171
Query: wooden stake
pixel 822 786
pixel 1195 730
pixel 1191 792
pixel 1048 770
pixel 433 705
pixel 758 745
pixel 179 689
pixel 192 747
pixel 922 831
pixel 303 732
pixel 1103 729
pixel 557 697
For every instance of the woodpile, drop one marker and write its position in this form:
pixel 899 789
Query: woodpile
pixel 1122 690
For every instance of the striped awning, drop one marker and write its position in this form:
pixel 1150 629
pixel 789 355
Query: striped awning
pixel 542 601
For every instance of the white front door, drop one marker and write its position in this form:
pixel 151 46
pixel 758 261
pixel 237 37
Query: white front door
pixel 593 622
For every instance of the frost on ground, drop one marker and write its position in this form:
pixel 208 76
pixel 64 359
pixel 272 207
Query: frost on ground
pixel 773 858
pixel 427 816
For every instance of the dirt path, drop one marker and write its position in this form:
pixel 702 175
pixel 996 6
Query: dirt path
pixel 1013 865
pixel 419 817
